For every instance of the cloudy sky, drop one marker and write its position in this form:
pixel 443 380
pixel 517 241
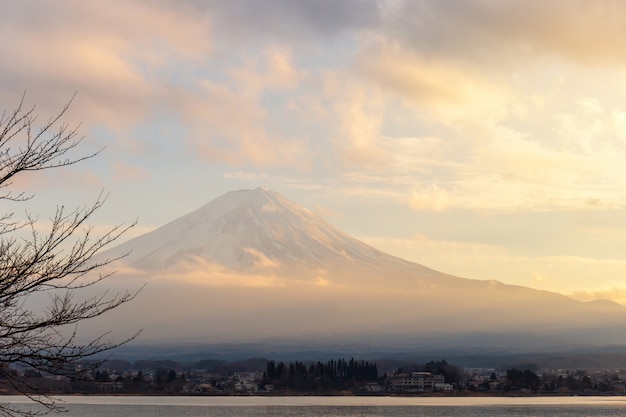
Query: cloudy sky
pixel 482 138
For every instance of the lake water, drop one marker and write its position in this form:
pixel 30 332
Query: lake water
pixel 336 406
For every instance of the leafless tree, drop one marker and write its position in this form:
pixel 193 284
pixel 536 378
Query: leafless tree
pixel 55 266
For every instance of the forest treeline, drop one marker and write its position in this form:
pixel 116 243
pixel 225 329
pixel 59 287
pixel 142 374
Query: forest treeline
pixel 329 375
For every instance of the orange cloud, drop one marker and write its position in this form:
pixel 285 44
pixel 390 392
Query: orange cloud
pixel 128 172
pixel 99 51
pixel 616 294
pixel 512 34
pixel 432 198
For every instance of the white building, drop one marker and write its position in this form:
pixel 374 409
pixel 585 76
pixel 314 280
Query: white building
pixel 416 382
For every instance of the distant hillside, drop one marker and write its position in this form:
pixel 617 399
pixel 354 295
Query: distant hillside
pixel 253 266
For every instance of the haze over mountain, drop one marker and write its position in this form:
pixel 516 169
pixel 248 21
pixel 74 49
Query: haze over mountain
pixel 252 265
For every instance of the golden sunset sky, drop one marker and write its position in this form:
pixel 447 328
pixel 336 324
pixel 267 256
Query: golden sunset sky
pixel 485 139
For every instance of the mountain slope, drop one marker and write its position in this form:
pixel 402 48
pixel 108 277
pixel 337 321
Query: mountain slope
pixel 252 264
pixel 244 229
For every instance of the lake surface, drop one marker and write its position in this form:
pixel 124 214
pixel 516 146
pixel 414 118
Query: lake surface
pixel 110 406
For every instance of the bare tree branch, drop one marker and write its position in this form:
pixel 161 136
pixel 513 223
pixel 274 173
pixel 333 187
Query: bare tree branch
pixel 57 264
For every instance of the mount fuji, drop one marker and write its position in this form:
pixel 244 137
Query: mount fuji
pixel 244 229
pixel 254 266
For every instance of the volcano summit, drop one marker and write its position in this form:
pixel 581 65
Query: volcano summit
pixel 246 229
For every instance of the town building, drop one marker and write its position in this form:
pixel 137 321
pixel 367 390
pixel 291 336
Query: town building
pixel 416 382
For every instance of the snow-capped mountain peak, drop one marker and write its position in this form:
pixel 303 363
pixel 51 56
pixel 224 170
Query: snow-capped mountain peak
pixel 254 256
pixel 245 229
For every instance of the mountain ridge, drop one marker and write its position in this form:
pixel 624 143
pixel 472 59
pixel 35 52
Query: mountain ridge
pixel 252 265
pixel 246 223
